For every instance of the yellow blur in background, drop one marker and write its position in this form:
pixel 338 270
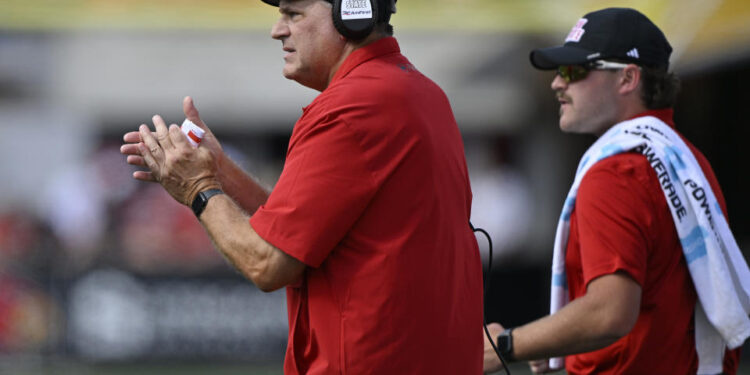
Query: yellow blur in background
pixel 701 26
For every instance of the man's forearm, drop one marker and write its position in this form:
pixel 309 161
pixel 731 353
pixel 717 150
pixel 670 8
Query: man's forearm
pixel 259 261
pixel 606 313
pixel 247 192
pixel 567 332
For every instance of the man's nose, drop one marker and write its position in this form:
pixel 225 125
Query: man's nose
pixel 558 83
pixel 279 30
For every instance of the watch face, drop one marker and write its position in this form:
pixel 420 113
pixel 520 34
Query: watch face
pixel 201 200
pixel 504 342
pixel 198 204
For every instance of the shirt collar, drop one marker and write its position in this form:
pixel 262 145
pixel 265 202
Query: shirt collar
pixel 664 114
pixel 380 47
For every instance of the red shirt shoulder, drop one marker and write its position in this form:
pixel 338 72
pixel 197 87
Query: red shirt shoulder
pixel 615 217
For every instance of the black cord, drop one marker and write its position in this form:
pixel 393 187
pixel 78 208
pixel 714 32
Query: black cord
pixel 486 280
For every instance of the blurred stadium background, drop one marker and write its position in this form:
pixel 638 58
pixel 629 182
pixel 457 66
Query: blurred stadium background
pixel 102 275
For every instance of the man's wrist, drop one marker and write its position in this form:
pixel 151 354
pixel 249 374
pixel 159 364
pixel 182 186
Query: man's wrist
pixel 201 200
pixel 205 183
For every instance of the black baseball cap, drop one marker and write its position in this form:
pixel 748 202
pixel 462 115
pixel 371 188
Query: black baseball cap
pixel 621 33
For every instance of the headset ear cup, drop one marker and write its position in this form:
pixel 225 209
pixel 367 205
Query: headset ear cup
pixel 354 29
pixel 338 22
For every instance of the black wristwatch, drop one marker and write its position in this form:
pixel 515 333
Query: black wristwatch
pixel 505 344
pixel 201 200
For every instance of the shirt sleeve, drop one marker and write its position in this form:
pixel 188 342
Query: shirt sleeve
pixel 614 210
pixel 323 189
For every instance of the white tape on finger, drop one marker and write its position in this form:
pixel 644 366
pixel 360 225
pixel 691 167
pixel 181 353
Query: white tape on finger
pixel 193 132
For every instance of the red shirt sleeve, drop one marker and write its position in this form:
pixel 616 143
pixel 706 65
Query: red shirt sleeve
pixel 323 189
pixel 614 210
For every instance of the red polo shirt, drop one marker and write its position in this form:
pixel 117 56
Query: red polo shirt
pixel 375 199
pixel 621 222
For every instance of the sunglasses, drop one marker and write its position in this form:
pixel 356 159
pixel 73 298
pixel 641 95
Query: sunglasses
pixel 572 73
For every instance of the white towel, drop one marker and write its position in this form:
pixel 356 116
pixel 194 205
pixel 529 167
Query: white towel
pixel 717 267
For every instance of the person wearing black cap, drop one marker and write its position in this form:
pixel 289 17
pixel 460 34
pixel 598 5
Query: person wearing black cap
pixel 634 231
pixel 367 226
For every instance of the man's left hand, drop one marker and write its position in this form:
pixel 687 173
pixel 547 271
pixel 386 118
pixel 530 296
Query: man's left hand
pixel 183 171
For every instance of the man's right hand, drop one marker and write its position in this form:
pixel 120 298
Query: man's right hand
pixel 133 138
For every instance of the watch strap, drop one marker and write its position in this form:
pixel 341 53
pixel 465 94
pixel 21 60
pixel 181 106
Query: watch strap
pixel 201 200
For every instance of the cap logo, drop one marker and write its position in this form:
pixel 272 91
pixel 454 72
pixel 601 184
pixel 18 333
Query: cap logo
pixel 633 53
pixel 577 31
pixel 356 9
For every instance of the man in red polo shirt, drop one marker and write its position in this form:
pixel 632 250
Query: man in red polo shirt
pixel 367 226
pixel 622 259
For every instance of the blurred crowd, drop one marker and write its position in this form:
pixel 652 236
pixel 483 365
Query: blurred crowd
pixel 96 217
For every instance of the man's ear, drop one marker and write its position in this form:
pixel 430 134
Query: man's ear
pixel 630 79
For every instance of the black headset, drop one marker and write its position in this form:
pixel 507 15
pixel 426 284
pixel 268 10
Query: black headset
pixel 355 19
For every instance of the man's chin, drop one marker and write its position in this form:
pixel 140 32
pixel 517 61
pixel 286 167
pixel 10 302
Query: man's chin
pixel 567 127
pixel 288 73
pixel 564 125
